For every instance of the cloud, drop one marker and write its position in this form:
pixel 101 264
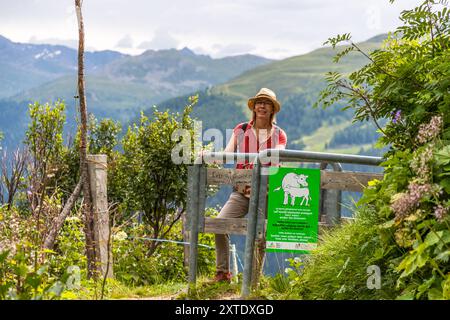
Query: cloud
pixel 292 25
pixel 125 42
pixel 232 49
pixel 71 43
pixel 161 40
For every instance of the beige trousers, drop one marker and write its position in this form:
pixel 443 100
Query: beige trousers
pixel 235 207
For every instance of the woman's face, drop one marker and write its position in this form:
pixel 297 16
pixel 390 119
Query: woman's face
pixel 263 108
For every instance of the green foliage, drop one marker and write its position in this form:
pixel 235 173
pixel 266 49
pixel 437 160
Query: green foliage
pixel 104 139
pixel 44 134
pixel 19 281
pixel 52 169
pixel 406 80
pixel 69 248
pixel 24 271
pixel 152 182
pixel 337 269
pixel 407 83
pixel 103 136
pixel 413 206
pixel 135 266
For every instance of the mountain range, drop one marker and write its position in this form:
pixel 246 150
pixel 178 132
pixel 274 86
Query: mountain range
pixel 120 86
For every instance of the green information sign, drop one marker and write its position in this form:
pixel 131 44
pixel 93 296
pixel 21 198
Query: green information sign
pixel 293 210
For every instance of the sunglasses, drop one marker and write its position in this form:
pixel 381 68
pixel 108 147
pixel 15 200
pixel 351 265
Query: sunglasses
pixel 264 102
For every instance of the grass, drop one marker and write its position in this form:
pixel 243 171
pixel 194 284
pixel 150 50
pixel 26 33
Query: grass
pixel 353 149
pixel 317 140
pixel 115 290
pixel 160 291
pixel 337 269
pixel 208 290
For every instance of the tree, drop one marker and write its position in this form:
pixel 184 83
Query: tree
pixel 406 81
pixel 87 205
pixel 153 183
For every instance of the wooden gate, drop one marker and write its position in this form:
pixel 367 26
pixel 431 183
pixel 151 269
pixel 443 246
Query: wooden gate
pixel 200 177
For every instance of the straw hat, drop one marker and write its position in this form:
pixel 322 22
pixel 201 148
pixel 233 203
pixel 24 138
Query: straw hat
pixel 265 93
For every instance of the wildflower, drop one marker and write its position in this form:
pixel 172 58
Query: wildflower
pixel 397 117
pixel 440 212
pixel 404 203
pixel 73 218
pixel 431 130
pixel 420 163
pixel 120 236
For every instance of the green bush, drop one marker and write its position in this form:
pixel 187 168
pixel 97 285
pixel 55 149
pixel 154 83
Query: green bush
pixel 69 248
pixel 22 279
pixel 338 268
pixel 405 82
pixel 135 265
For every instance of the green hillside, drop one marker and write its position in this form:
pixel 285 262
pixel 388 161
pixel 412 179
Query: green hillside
pixel 128 85
pixel 125 86
pixel 297 75
pixel 297 82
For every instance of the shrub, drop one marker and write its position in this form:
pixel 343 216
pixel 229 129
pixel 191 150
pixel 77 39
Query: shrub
pixel 337 269
pixel 134 265
pixel 21 279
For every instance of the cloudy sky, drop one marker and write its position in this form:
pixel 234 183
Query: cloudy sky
pixel 271 28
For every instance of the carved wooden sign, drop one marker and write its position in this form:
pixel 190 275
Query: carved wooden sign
pixel 348 181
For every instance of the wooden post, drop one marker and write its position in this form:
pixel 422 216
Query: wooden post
pixel 330 200
pixel 97 165
pixel 193 215
pixel 185 230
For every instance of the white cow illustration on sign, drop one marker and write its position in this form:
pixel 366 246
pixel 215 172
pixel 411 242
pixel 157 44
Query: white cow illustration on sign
pixel 295 185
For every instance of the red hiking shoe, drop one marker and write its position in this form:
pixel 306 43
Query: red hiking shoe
pixel 222 276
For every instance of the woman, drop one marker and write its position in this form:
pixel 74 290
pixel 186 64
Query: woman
pixel 249 137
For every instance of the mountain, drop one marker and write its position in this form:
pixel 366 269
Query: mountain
pixel 117 86
pixel 297 82
pixel 179 71
pixel 24 66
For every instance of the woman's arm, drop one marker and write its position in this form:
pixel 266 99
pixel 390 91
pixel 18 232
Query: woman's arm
pixel 231 146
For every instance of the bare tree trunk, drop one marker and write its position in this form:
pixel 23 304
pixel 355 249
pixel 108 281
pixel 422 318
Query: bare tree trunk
pixel 87 208
pixel 57 223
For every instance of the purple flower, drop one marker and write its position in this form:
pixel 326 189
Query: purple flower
pixel 440 212
pixel 397 116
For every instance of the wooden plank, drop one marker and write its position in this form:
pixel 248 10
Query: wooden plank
pixel 185 231
pixel 262 207
pixel 228 176
pixel 224 226
pixel 349 181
